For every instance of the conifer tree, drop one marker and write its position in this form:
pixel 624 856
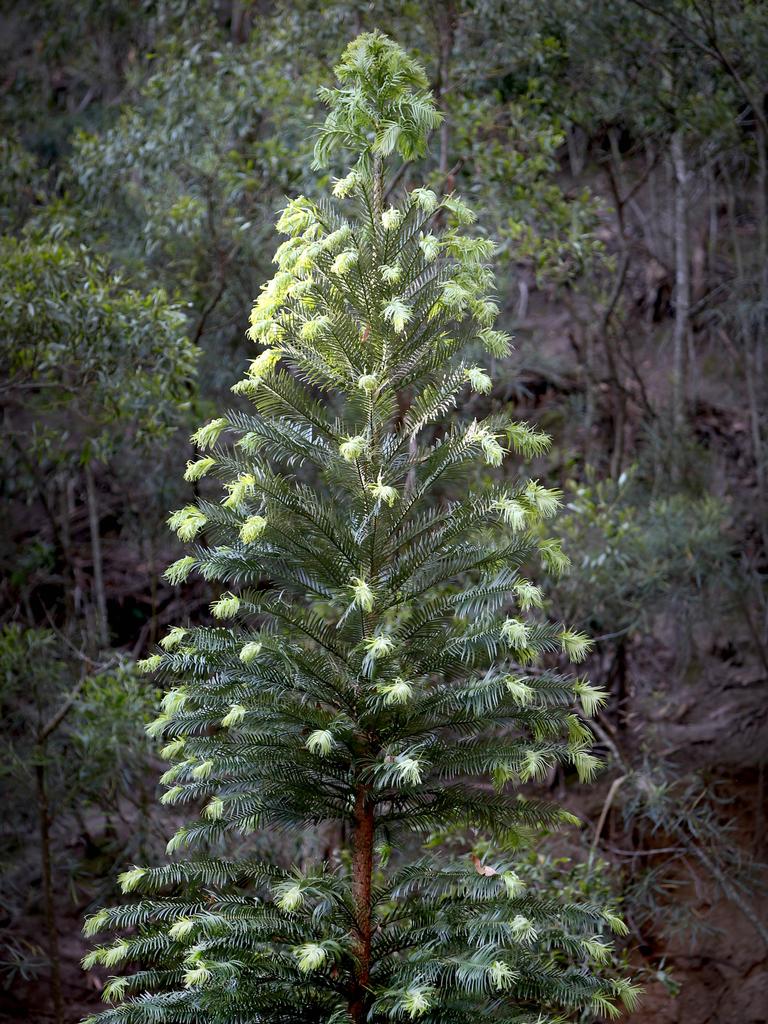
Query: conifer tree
pixel 380 667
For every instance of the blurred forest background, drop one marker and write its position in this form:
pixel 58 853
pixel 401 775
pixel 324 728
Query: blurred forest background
pixel 618 152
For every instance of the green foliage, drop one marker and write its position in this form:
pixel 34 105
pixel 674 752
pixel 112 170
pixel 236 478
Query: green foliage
pixel 378 668
pixel 100 752
pixel 180 188
pixel 21 184
pixel 192 160
pixel 512 152
pixel 82 725
pixel 84 353
pixel 637 554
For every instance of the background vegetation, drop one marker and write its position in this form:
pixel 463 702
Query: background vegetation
pixel 618 151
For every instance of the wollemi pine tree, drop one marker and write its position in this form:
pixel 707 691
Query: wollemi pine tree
pixel 379 665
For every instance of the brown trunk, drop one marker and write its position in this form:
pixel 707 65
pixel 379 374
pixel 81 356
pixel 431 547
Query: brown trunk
pixel 44 818
pixel 98 574
pixel 362 872
pixel 617 389
pixel 755 351
pixel 48 900
pixel 682 282
pixel 378 188
pixel 445 16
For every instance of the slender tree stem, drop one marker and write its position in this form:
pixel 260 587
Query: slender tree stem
pixel 98 574
pixel 729 890
pixel 682 281
pixel 446 30
pixel 48 899
pixel 378 188
pixel 614 788
pixel 362 874
pixel 754 358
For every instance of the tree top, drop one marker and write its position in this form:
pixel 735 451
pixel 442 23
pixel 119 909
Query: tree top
pixel 383 103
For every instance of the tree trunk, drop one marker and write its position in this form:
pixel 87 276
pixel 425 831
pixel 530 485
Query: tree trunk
pixel 378 188
pixel 754 366
pixel 48 900
pixel 753 369
pixel 66 507
pixel 618 404
pixel 446 27
pixel 362 873
pixel 102 626
pixel 682 282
